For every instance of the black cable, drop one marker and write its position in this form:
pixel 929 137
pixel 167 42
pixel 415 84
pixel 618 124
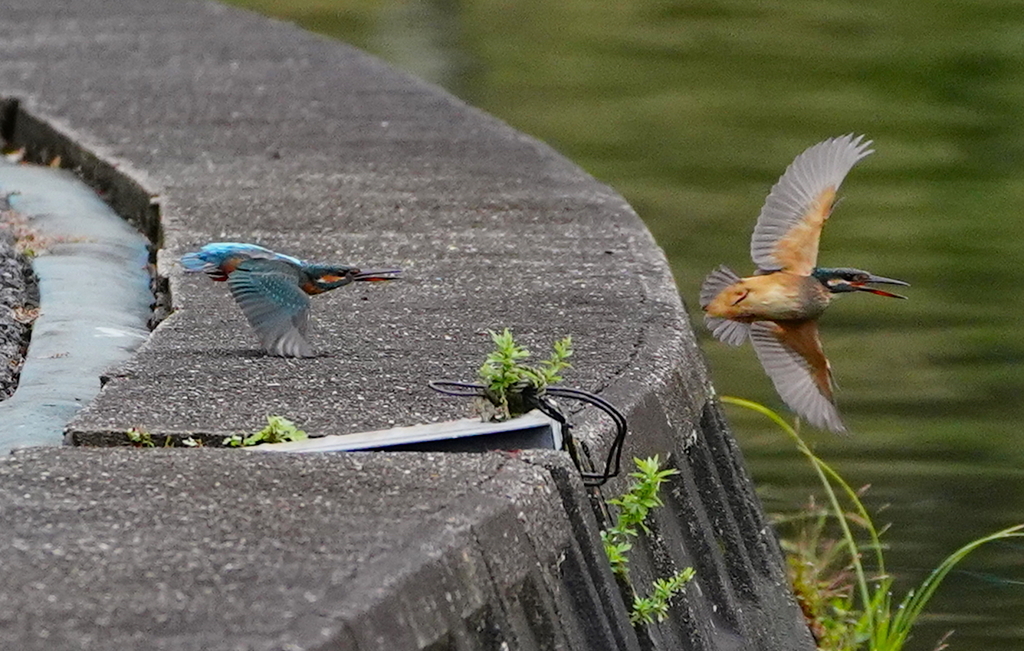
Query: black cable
pixel 538 400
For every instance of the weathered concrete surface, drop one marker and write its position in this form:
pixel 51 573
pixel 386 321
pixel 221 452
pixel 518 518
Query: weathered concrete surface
pixel 93 279
pixel 206 549
pixel 248 129
pixel 254 131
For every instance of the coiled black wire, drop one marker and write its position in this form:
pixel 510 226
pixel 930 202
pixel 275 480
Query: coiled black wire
pixel 539 400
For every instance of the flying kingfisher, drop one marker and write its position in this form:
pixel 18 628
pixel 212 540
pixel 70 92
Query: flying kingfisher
pixel 273 289
pixel 778 307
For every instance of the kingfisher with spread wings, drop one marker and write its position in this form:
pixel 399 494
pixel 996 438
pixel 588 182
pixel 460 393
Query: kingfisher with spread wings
pixel 778 307
pixel 273 289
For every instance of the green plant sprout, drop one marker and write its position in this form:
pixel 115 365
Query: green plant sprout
pixel 866 617
pixel 655 607
pixel 633 508
pixel 504 374
pixel 140 438
pixel 278 430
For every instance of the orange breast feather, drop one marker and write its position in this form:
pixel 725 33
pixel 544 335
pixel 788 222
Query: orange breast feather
pixel 773 297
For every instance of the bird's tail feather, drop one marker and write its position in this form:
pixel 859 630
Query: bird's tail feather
pixel 733 333
pixel 193 262
pixel 716 281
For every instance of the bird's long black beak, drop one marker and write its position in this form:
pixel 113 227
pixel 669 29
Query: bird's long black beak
pixel 377 274
pixel 862 287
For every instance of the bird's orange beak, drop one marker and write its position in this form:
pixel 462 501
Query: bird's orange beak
pixel 862 287
pixel 375 275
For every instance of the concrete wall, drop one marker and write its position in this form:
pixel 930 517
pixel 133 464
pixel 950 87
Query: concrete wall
pixel 203 123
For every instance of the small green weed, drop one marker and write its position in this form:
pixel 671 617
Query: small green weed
pixel 655 607
pixel 503 372
pixel 140 438
pixel 633 508
pixel 865 617
pixel 278 430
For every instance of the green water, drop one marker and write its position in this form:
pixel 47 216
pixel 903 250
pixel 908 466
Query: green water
pixel 693 109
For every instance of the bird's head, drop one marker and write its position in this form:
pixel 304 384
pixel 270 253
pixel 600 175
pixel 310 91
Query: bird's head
pixel 845 279
pixel 327 277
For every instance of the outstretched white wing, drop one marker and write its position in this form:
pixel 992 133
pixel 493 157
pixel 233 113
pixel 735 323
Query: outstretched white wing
pixel 789 226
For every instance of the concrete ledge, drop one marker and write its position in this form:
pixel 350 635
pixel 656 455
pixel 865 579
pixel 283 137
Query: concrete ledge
pixel 229 126
pixel 210 549
pixel 118 187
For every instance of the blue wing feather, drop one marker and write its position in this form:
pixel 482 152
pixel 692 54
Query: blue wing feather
pixel 269 294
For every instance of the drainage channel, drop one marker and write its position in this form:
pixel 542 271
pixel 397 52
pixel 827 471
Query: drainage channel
pixel 94 295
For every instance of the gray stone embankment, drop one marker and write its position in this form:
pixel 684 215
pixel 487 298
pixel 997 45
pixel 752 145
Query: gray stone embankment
pixel 91 271
pixel 202 123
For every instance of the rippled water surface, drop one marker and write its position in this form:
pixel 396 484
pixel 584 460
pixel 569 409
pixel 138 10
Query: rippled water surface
pixel 693 109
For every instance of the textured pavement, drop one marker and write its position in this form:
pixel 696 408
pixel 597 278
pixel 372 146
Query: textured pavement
pixel 200 549
pixel 251 130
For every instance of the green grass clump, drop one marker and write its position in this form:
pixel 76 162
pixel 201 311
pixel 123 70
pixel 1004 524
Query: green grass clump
pixel 865 617
pixel 821 574
pixel 278 430
pixel 505 375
